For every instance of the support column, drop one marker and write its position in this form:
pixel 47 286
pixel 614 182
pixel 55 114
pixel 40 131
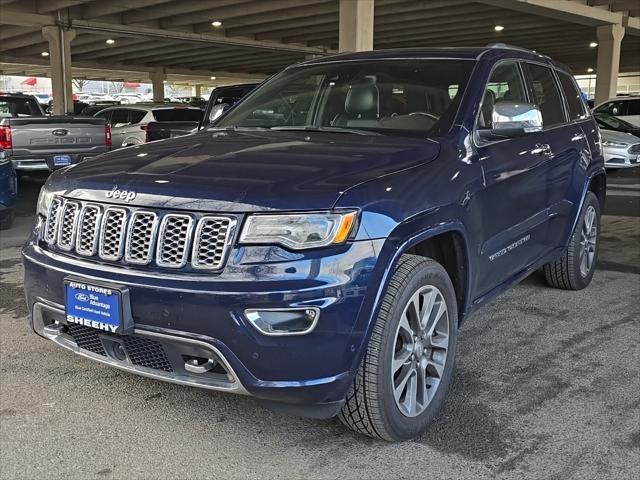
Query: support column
pixel 197 90
pixel 61 74
pixel 356 26
pixel 608 66
pixel 157 82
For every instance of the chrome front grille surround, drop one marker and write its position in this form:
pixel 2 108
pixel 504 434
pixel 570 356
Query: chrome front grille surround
pixel 139 236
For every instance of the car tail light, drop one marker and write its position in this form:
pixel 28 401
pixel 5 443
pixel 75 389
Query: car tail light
pixel 145 129
pixel 5 138
pixel 107 136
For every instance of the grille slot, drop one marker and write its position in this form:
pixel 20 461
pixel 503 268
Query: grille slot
pixel 173 240
pixel 67 228
pixel 634 149
pixel 112 235
pixel 51 226
pixel 140 237
pixel 147 353
pixel 86 338
pixel 88 227
pixel 211 241
pixel 128 235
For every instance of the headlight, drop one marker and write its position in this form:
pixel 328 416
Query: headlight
pixel 607 143
pixel 299 231
pixel 44 201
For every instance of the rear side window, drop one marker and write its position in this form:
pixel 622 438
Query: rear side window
pixel 19 107
pixel 137 115
pixel 573 96
pixel 633 107
pixel 106 115
pixel 178 115
pixel 546 95
pixel 617 107
pixel 120 118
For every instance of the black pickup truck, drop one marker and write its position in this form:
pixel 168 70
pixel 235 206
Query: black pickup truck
pixel 221 99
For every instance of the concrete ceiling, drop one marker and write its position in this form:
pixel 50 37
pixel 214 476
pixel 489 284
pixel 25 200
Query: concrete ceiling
pixel 259 37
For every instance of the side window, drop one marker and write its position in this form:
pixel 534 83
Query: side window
pixel 120 118
pixel 633 107
pixel 613 108
pixel 546 95
pixel 573 96
pixel 137 116
pixel 106 115
pixel 505 85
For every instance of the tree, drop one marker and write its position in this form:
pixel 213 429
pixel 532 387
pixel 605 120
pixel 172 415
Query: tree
pixel 79 83
pixel 118 87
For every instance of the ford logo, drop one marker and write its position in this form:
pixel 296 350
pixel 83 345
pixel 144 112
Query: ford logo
pixel 81 297
pixel 60 132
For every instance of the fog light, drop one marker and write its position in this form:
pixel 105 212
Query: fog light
pixel 287 321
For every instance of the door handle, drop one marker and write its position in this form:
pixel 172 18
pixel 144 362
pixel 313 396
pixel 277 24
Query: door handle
pixel 542 149
pixel 577 137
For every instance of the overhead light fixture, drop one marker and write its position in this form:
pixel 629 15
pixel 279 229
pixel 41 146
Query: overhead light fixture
pixel 589 70
pixel 216 24
pixel 213 78
pixel 110 41
pixel 498 28
pixel 45 54
pixel 593 44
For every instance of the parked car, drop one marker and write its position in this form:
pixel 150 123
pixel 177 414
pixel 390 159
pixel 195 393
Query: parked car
pixel 193 101
pixel 221 99
pixel 621 149
pixel 8 187
pixel 609 122
pixel 625 108
pixel 319 247
pixel 36 142
pixel 92 109
pixel 128 98
pixel 129 123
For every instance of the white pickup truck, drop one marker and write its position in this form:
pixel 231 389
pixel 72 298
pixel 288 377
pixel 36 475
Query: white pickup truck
pixel 36 142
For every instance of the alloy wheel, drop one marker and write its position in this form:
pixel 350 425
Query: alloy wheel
pixel 588 239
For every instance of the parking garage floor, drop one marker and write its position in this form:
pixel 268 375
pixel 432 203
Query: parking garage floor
pixel 546 387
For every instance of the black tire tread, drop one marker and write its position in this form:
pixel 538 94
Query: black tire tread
pixel 361 412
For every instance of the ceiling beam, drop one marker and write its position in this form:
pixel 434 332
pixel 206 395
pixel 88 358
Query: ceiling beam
pixel 24 19
pixel 109 7
pixel 46 6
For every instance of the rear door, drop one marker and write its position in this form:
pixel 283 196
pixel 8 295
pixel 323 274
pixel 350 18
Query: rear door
pixel 120 120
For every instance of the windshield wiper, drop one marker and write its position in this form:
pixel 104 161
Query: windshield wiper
pixel 312 128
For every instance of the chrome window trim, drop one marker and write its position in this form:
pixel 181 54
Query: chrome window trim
pixel 231 229
pixel 152 240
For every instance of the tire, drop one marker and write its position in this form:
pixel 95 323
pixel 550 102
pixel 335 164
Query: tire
pixel 568 272
pixel 6 219
pixel 371 406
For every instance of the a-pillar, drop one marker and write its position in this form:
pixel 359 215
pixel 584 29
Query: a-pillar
pixel 356 26
pixel 61 74
pixel 608 65
pixel 157 83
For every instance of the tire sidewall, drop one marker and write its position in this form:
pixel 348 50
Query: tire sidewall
pixel 582 282
pixel 398 425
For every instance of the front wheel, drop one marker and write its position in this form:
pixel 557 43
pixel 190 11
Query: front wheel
pixel 574 270
pixel 403 379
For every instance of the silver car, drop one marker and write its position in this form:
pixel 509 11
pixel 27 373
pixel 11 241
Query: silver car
pixel 621 149
pixel 129 122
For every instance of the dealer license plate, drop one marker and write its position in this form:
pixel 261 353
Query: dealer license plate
pixel 61 160
pixel 93 306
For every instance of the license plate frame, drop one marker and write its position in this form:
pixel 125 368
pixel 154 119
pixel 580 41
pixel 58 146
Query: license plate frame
pixel 101 306
pixel 61 160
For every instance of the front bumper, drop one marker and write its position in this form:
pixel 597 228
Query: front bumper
pixel 180 311
pixel 620 158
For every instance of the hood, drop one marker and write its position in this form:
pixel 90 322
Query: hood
pixel 235 171
pixel 618 137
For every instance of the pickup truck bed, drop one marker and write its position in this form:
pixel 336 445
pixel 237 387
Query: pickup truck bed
pixel 47 143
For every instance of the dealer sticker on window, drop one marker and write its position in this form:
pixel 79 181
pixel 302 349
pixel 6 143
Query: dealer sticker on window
pixel 93 306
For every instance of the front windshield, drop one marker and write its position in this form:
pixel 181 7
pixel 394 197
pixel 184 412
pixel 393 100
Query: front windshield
pixel 394 97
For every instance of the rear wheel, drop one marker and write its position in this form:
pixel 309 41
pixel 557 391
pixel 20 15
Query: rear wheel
pixel 574 270
pixel 402 381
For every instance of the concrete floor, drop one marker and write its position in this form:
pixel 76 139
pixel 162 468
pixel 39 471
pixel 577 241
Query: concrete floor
pixel 546 387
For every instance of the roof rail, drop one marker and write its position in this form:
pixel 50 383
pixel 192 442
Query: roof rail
pixel 512 47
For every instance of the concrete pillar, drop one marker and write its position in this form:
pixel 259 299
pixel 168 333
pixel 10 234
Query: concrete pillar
pixel 61 74
pixel 197 90
pixel 157 82
pixel 608 65
pixel 356 26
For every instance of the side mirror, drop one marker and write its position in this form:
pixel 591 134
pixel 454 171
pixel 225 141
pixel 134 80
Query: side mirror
pixel 513 119
pixel 218 110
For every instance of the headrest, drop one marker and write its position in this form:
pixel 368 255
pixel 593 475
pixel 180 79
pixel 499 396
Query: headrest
pixel 363 98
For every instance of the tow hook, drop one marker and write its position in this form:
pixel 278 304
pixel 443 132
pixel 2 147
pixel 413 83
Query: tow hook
pixel 200 365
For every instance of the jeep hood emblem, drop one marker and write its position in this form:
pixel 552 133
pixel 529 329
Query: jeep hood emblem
pixel 126 195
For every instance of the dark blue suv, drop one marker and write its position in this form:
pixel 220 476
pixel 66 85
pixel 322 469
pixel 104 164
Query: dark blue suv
pixel 320 245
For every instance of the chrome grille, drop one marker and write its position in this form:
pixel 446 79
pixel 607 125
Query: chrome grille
pixel 139 237
pixel 88 228
pixel 112 233
pixel 67 228
pixel 211 242
pixel 51 225
pixel 173 243
pixel 634 149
